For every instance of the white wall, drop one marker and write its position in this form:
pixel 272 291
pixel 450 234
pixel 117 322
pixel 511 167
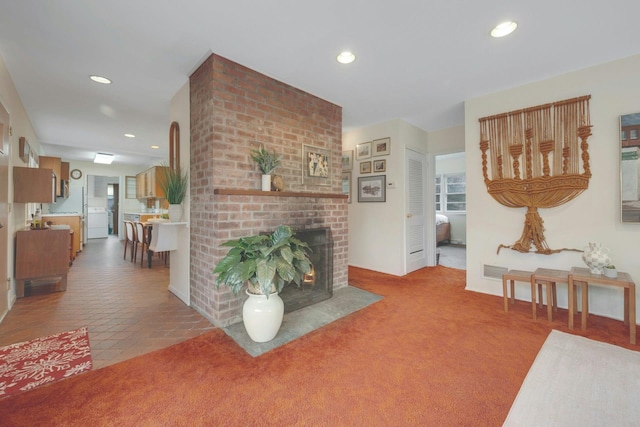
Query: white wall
pixel 594 216
pixel 376 230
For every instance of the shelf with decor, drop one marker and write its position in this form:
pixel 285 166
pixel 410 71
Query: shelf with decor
pixel 239 192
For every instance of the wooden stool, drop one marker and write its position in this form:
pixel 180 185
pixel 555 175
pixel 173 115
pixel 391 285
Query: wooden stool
pixel 547 277
pixel 512 276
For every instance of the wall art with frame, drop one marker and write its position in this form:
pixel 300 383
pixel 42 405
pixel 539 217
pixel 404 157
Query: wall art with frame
pixel 372 188
pixel 346 185
pixel 363 151
pixel 365 167
pixel 379 165
pixel 347 160
pixel 381 147
pixel 316 165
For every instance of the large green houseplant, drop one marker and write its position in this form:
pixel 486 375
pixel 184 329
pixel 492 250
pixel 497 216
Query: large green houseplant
pixel 266 262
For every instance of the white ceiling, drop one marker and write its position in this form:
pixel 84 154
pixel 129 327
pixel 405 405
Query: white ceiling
pixel 416 60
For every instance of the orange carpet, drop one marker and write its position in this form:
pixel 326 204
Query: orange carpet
pixel 429 353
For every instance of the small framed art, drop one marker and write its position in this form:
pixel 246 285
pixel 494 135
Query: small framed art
pixel 372 188
pixel 379 165
pixel 23 149
pixel 347 160
pixel 363 151
pixel 346 185
pixel 381 147
pixel 316 165
pixel 365 167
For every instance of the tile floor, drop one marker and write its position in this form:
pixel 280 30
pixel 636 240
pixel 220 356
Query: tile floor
pixel 128 309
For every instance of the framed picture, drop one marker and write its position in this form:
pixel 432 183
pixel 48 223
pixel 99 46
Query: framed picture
pixel 379 165
pixel 363 151
pixel 346 185
pixel 347 160
pixel 381 147
pixel 365 167
pixel 23 147
pixel 372 188
pixel 629 139
pixel 316 165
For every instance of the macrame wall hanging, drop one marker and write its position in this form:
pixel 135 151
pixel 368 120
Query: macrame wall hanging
pixel 537 158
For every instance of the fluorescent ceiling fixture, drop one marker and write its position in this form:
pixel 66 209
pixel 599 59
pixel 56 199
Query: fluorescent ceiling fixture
pixel 155 147
pixel 504 29
pixel 129 135
pixel 346 57
pixel 100 79
pixel 103 158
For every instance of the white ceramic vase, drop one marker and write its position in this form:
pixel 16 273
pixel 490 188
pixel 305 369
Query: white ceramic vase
pixel 266 182
pixel 596 257
pixel 262 316
pixel 175 213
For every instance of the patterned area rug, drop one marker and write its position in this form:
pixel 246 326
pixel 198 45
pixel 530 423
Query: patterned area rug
pixel 29 364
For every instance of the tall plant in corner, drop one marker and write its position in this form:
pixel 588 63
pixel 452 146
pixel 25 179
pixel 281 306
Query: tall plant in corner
pixel 267 161
pixel 174 183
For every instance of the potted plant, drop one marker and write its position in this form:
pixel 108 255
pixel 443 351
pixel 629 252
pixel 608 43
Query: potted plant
pixel 610 271
pixel 267 161
pixel 174 183
pixel 266 263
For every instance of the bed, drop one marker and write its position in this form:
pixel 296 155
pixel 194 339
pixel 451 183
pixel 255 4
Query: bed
pixel 443 229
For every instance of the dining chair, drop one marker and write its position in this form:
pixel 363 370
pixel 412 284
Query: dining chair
pixel 142 241
pixel 129 239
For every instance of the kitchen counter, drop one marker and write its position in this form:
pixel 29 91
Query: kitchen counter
pixel 74 221
pixel 62 214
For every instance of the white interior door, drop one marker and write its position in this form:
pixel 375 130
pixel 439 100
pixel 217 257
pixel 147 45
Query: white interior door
pixel 415 223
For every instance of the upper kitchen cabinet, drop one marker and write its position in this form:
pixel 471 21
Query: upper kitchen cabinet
pixel 148 183
pixel 33 185
pixel 55 164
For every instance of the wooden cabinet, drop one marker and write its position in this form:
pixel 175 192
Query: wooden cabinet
pixel 64 171
pixel 33 185
pixel 74 222
pixel 41 254
pixel 148 183
pixel 55 164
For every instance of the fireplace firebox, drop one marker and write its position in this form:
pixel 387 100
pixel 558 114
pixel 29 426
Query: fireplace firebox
pixel 318 284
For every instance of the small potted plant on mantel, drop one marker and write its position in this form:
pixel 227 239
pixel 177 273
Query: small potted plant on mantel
pixel 174 183
pixel 610 271
pixel 266 263
pixel 267 162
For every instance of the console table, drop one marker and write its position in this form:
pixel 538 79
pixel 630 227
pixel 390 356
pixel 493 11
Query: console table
pixel 624 281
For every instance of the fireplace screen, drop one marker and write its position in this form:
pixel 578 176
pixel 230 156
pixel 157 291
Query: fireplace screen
pixel 318 284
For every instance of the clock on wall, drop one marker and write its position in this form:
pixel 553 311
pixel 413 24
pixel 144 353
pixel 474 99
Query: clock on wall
pixel 76 174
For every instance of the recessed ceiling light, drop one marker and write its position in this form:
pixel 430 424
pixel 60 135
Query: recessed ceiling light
pixel 504 29
pixel 100 79
pixel 155 147
pixel 129 135
pixel 346 57
pixel 103 158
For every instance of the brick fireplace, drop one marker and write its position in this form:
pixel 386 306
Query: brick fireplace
pixel 233 110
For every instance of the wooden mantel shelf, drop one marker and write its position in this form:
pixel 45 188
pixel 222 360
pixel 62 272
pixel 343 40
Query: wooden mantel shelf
pixel 238 192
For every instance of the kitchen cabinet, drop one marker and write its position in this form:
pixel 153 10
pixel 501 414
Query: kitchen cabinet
pixel 33 185
pixel 64 171
pixel 74 222
pixel 55 164
pixel 148 183
pixel 41 254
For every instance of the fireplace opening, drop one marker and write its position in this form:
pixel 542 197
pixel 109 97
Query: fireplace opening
pixel 317 285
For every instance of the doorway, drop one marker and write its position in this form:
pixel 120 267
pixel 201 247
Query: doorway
pixel 451 210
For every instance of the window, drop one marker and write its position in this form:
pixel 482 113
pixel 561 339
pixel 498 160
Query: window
pixel 451 192
pixel 633 133
pixel 438 187
pixel 623 135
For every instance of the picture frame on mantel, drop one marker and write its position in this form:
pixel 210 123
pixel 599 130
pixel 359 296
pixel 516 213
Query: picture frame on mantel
pixel 316 165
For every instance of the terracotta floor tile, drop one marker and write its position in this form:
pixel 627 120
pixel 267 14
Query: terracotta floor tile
pixel 128 309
